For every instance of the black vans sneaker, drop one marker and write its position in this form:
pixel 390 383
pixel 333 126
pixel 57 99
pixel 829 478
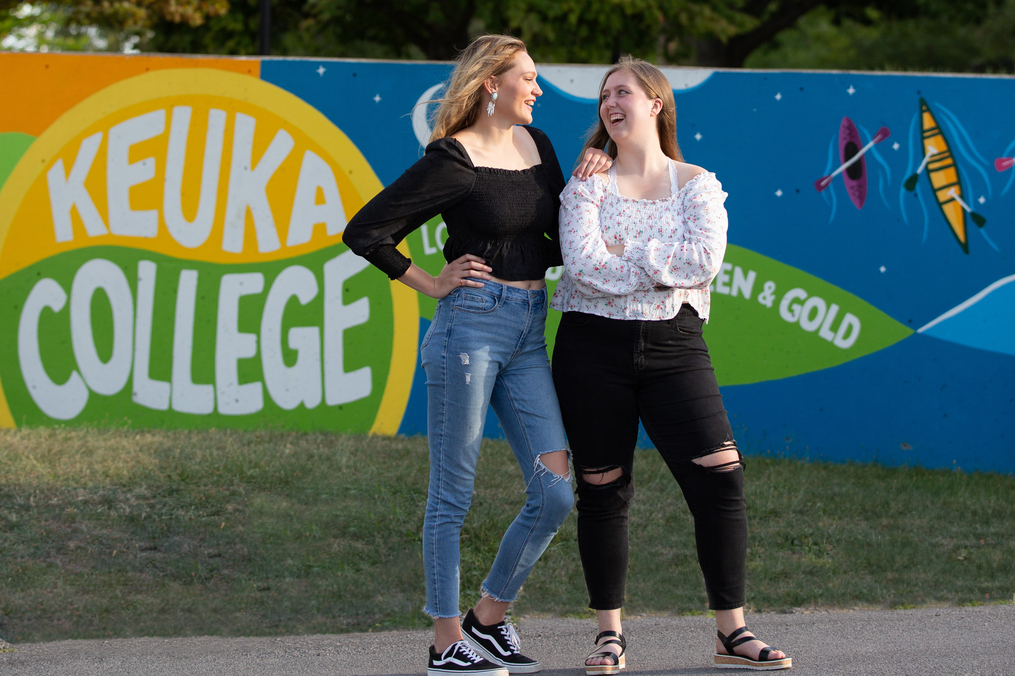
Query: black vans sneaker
pixel 459 658
pixel 499 644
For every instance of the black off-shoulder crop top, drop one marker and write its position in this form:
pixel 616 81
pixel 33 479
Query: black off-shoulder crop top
pixel 507 217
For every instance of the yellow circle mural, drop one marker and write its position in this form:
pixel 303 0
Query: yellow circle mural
pixel 186 176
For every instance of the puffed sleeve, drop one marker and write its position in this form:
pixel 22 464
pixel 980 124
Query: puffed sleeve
pixel 438 181
pixel 694 258
pixel 586 260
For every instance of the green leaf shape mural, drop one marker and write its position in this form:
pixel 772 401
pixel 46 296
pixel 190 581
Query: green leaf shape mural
pixel 771 321
pixel 12 146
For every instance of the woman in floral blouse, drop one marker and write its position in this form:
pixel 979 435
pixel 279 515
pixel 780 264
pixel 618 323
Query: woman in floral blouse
pixel 641 245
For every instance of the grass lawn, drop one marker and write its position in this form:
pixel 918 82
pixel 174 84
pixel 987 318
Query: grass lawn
pixel 116 533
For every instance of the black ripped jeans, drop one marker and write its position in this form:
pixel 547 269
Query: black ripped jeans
pixel 608 374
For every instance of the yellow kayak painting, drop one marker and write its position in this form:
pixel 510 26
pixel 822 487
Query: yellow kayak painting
pixel 943 175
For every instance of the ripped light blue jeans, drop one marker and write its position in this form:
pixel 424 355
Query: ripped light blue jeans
pixel 487 346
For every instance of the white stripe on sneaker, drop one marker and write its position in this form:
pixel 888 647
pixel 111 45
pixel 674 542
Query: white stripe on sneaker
pixel 460 659
pixel 491 639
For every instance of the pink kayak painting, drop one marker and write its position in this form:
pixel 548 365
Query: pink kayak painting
pixel 855 175
pixel 853 165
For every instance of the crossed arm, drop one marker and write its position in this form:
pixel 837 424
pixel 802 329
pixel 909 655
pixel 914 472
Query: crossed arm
pixel 691 259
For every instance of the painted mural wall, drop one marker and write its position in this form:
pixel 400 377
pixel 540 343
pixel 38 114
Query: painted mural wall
pixel 171 249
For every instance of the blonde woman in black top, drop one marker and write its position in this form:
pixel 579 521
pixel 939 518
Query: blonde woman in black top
pixel 496 183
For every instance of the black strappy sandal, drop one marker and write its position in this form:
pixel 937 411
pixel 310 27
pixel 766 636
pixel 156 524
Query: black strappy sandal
pixel 734 661
pixel 617 659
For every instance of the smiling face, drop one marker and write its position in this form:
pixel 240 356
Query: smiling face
pixel 626 110
pixel 517 90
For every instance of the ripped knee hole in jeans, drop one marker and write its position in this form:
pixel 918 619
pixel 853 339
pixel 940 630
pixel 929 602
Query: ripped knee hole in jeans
pixel 725 457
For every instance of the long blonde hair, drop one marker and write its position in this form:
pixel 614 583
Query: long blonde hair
pixel 487 56
pixel 656 86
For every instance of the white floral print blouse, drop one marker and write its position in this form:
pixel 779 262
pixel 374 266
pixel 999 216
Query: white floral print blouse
pixel 673 248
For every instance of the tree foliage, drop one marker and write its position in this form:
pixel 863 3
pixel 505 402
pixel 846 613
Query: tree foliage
pixel 48 28
pixel 133 14
pixel 954 40
pixel 98 24
pixel 914 34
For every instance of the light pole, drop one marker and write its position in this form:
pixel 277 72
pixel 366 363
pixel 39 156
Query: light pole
pixel 265 27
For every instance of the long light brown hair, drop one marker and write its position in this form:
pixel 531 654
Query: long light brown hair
pixel 656 86
pixel 487 56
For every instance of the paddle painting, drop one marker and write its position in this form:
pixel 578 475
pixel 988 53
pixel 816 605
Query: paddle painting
pixel 853 143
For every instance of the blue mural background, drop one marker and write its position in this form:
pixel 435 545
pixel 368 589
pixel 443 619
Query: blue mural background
pixel 941 398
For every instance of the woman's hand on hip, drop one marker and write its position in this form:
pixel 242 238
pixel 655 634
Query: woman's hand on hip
pixel 467 270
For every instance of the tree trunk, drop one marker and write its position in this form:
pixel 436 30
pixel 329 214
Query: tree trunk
pixel 715 53
pixel 732 54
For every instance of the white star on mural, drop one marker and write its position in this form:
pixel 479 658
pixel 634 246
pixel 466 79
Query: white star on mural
pixel 778 193
pixel 883 268
pixel 778 96
pixel 377 98
pixel 982 199
pixel 320 70
pixel 851 90
pixel 697 137
pixel 895 146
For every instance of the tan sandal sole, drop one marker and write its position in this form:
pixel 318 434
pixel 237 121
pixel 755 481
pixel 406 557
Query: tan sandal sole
pixel 597 669
pixel 737 662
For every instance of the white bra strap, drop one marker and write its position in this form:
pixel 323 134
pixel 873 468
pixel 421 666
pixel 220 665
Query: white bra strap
pixel 612 188
pixel 674 179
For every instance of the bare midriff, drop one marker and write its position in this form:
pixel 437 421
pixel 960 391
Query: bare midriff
pixel 527 284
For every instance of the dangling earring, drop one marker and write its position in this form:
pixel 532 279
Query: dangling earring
pixel 490 106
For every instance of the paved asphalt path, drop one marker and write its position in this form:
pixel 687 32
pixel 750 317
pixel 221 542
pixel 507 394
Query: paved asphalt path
pixel 947 641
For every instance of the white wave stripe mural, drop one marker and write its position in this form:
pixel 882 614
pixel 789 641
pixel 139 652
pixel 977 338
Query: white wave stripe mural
pixel 985 321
